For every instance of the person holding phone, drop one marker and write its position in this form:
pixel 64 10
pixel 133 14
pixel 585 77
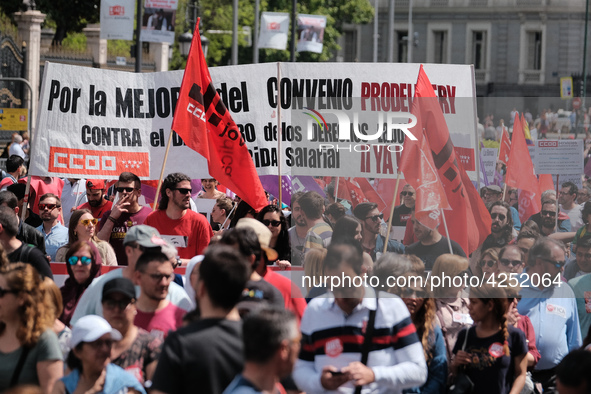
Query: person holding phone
pixel 126 213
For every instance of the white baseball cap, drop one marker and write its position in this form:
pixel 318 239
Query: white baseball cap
pixel 90 328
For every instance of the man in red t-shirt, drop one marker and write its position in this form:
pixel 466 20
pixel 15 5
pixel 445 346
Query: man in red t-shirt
pixel 155 314
pixel 183 228
pixel 97 202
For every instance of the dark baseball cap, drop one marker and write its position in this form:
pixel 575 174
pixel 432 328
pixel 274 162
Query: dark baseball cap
pixel 119 285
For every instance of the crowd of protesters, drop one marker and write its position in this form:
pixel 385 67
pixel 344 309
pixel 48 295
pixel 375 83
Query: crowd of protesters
pixel 233 324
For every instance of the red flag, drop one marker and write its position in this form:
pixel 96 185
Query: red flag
pixel 349 190
pixel 546 183
pixel 385 188
pixel 505 146
pixel 370 193
pixel 205 125
pixel 521 175
pixel 467 223
pixel 416 163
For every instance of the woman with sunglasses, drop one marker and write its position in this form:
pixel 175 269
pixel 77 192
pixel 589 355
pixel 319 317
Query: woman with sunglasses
pixel 488 265
pixel 83 267
pixel 272 217
pixel 83 227
pixel 90 361
pixel 29 349
pixel 493 355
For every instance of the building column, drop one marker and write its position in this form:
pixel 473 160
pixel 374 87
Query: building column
pixel 97 45
pixel 29 31
pixel 160 52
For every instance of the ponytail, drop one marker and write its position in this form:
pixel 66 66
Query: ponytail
pixel 505 336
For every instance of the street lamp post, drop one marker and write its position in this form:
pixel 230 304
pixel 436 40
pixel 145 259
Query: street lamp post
pixel 185 40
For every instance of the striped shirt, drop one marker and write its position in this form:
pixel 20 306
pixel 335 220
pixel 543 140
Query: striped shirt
pixel 330 337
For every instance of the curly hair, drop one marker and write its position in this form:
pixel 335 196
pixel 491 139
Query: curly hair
pixel 170 182
pixel 34 314
pixel 487 293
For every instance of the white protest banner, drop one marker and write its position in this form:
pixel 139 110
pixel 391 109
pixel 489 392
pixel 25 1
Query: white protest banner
pixel 158 21
pixel 273 31
pixel 489 161
pixel 559 157
pixel 577 179
pixel 310 32
pixel 89 114
pixel 117 19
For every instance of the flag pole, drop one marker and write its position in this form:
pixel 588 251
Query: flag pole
pixel 447 232
pixel 26 201
pixel 392 212
pixel 557 208
pixel 336 191
pixel 279 133
pixel 162 171
pixel 504 192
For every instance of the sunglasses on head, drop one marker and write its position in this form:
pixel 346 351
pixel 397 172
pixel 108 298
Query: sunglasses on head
pixel 124 189
pixel 274 223
pixel 183 190
pixel 375 218
pixel 498 215
pixel 489 263
pixel 410 194
pixel 73 260
pixel 3 292
pixel 548 213
pixel 88 222
pixel 507 262
pixel 48 206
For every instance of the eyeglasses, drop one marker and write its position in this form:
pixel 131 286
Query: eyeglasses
pixel 557 264
pixel 51 207
pixel 84 260
pixel 498 215
pixel 159 277
pixel 375 218
pixel 99 343
pixel 87 222
pixel 125 189
pixel 507 262
pixel 183 190
pixel 564 193
pixel 3 292
pixel 548 213
pixel 121 304
pixel 274 223
pixel 410 194
pixel 489 263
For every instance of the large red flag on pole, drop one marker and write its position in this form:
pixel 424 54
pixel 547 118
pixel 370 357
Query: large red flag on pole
pixel 521 174
pixel 205 125
pixel 469 223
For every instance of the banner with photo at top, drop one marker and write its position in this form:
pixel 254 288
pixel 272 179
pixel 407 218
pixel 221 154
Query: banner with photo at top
pixel 117 19
pixel 158 20
pixel 273 32
pixel 311 32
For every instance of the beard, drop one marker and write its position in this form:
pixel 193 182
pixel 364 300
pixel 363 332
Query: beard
pixel 95 203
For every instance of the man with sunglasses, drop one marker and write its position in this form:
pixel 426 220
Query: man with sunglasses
pixel 371 221
pixel 548 219
pixel 127 212
pixel 493 193
pixel 55 234
pixel 157 315
pixel 185 229
pixel 402 212
pixel 511 260
pixel 551 306
pixel 501 226
pixel 96 198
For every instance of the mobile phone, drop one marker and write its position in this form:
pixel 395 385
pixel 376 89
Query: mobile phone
pixel 336 373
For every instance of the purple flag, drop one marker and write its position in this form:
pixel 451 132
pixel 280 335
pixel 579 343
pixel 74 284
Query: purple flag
pixel 290 185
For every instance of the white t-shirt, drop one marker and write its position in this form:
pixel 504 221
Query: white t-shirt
pixel 575 215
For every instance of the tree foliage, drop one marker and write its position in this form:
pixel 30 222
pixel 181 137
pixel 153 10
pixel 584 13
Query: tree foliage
pixel 69 15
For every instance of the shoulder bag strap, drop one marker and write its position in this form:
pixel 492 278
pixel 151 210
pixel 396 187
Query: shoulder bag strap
pixel 19 366
pixel 368 338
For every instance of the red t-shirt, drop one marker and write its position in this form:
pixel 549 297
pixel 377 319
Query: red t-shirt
pixel 190 234
pixel 294 300
pixel 97 212
pixel 159 323
pixel 6 182
pixel 39 187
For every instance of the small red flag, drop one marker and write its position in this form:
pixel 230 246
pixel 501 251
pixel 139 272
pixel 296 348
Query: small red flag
pixel 521 174
pixel 205 125
pixel 370 193
pixel 546 183
pixel 505 146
